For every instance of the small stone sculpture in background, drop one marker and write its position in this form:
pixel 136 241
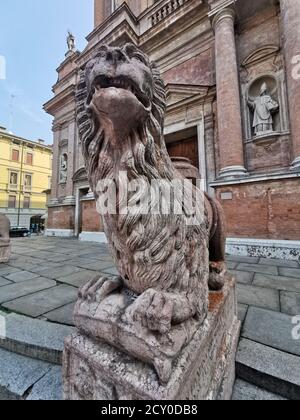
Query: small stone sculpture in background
pixel 71 42
pixel 5 246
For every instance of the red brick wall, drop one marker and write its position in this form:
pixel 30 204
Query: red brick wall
pixel 267 155
pixel 261 30
pixel 196 71
pixel 61 217
pixel 91 221
pixel 268 210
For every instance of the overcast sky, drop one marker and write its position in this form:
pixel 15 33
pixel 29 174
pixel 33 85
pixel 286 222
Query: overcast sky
pixel 33 42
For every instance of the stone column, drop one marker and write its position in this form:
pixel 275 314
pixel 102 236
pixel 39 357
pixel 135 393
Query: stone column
pixel 99 12
pixel 55 165
pixel 290 14
pixel 70 199
pixel 228 97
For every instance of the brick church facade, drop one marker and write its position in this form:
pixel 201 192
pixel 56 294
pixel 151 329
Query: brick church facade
pixel 232 75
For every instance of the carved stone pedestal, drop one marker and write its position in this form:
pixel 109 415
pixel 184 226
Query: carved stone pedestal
pixel 203 370
pixel 5 250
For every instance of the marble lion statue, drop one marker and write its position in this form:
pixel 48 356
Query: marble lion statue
pixel 166 262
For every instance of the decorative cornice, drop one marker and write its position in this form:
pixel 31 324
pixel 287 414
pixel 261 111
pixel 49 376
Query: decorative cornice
pixel 260 54
pixel 69 59
pixel 80 175
pixel 60 100
pixel 256 178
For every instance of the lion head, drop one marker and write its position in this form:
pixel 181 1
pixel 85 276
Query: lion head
pixel 121 106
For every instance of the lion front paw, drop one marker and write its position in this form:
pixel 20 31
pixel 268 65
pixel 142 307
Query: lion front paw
pixel 152 310
pixel 97 289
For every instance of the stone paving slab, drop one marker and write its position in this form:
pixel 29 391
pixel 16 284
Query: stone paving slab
pixel 19 373
pixel 288 284
pixel 61 271
pixel 6 269
pixel 17 290
pixel 48 388
pixel 4 282
pixel 243 276
pixel 271 369
pixel 279 263
pixel 95 265
pixel 21 276
pixel 258 268
pixel 290 272
pixel 240 259
pixel 21 265
pixel 62 315
pixel 34 338
pixel 258 296
pixel 272 329
pixel 242 312
pixel 111 271
pixel 56 259
pixel 37 304
pixel 231 265
pixel 46 266
pixel 243 391
pixel 290 303
pixel 80 278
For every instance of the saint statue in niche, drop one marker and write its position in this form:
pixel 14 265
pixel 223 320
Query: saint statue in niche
pixel 63 168
pixel 263 106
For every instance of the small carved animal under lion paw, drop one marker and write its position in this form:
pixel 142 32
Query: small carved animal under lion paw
pixel 217 275
pixel 98 288
pixel 153 310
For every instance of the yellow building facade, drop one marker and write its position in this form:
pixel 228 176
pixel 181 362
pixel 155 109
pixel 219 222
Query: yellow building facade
pixel 25 175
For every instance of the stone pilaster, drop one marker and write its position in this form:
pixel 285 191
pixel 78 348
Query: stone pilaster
pixel 290 14
pixel 55 163
pixel 71 157
pixel 228 97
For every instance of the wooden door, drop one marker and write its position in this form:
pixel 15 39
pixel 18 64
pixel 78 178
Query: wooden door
pixel 187 148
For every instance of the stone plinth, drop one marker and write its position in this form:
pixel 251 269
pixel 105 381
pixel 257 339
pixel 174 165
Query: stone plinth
pixel 5 250
pixel 204 369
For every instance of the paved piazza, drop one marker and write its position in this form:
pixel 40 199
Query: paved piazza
pixel 44 274
pixel 42 279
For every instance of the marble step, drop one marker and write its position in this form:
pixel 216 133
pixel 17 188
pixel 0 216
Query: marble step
pixel 34 338
pixel 268 368
pixel 244 391
pixel 23 378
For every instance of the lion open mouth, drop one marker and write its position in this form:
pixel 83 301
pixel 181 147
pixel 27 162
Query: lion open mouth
pixel 125 83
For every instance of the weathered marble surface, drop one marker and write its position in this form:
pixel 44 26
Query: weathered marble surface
pixel 156 326
pixel 5 246
pixel 204 369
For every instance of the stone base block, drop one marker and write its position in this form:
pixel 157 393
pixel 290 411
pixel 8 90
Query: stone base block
pixel 204 369
pixel 5 251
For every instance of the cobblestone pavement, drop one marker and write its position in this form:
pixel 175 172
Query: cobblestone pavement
pixel 43 276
